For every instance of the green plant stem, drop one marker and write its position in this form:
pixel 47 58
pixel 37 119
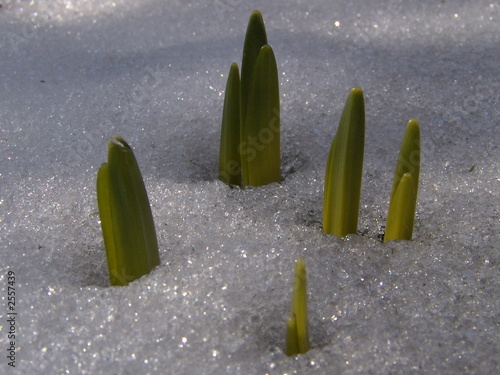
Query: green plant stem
pixel 229 156
pixel 401 215
pixel 344 169
pixel 260 133
pixel 292 340
pixel 297 325
pixel 402 211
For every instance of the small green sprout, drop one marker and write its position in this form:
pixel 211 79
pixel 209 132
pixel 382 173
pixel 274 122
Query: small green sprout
pixel 344 169
pixel 126 218
pixel 229 157
pixel 250 152
pixel 405 187
pixel 297 333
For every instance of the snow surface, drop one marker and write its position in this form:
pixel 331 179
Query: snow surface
pixel 72 73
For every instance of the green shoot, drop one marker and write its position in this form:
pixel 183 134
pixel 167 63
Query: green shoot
pixel 260 133
pixel 255 39
pixel 297 335
pixel 254 157
pixel 292 340
pixel 405 187
pixel 401 211
pixel 229 157
pixel 126 218
pixel 344 169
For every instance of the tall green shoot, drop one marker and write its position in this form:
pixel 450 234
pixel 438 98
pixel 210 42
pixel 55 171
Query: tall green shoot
pixel 344 169
pixel 260 132
pixel 255 39
pixel 257 140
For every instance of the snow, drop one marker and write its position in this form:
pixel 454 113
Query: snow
pixel 73 73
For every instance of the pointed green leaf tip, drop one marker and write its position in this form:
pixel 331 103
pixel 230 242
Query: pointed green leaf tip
pixel 344 169
pixel 126 219
pixel 405 186
pixel 260 133
pixel 255 39
pixel 297 336
pixel 229 156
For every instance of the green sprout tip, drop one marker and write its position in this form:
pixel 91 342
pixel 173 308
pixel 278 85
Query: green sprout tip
pixel 297 335
pixel 126 218
pixel 255 39
pixel 260 133
pixel 344 169
pixel 405 186
pixel 229 156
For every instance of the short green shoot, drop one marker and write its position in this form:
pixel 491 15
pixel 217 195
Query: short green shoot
pixel 297 335
pixel 250 154
pixel 405 187
pixel 229 157
pixel 126 218
pixel 344 169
